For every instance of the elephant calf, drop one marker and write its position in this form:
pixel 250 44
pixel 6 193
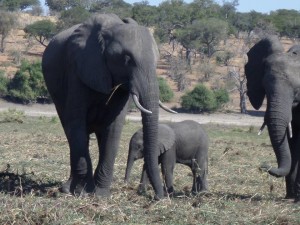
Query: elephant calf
pixel 183 142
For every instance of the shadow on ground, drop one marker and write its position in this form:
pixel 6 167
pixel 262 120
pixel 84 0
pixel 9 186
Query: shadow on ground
pixel 16 184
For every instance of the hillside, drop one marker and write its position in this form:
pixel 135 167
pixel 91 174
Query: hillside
pixel 18 47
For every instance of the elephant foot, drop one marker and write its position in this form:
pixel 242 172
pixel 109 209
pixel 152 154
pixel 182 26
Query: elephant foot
pixel 141 190
pixel 297 199
pixel 102 192
pixel 78 187
pixel 169 191
pixel 289 196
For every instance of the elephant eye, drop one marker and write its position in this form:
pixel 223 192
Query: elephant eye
pixel 127 60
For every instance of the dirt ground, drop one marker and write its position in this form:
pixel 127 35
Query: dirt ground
pixel 251 119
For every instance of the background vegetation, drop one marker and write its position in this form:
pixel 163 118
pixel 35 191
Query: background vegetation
pixel 195 39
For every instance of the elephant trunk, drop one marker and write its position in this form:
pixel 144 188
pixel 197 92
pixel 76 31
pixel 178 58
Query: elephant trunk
pixel 130 162
pixel 146 88
pixel 278 117
pixel 150 140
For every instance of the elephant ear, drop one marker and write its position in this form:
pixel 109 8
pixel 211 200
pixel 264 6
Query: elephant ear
pixel 86 52
pixel 166 138
pixel 256 68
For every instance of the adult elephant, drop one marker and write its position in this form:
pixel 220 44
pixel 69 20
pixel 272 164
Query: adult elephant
pixel 90 70
pixel 273 73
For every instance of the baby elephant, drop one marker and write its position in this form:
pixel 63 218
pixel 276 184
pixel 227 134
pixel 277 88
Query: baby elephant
pixel 184 142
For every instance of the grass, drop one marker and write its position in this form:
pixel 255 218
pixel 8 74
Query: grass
pixel 35 160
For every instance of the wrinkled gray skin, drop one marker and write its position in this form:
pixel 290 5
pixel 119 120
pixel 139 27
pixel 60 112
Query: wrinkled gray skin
pixel 184 142
pixel 82 66
pixel 273 73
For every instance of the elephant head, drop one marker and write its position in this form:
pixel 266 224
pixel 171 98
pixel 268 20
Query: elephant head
pixel 166 142
pixel 103 54
pixel 274 74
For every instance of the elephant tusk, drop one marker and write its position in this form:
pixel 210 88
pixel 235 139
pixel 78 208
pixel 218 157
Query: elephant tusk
pixel 290 131
pixel 112 93
pixel 262 128
pixel 138 105
pixel 166 108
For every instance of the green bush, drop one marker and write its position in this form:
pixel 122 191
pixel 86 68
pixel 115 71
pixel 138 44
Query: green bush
pixel 28 84
pixel 3 83
pixel 165 92
pixel 222 97
pixel 12 115
pixel 202 99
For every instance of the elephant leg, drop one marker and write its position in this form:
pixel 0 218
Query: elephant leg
pixel 108 147
pixel 144 181
pixel 292 176
pixel 168 161
pixel 295 177
pixel 199 170
pixel 81 178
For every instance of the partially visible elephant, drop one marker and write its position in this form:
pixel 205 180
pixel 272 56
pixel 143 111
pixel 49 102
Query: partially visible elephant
pixel 183 142
pixel 275 74
pixel 91 69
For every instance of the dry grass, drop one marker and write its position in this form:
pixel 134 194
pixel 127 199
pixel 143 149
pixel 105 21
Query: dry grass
pixel 35 160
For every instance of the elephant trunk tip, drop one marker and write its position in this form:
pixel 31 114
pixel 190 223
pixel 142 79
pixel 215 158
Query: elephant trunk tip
pixel 276 172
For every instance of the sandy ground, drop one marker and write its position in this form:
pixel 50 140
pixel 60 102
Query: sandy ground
pixel 252 119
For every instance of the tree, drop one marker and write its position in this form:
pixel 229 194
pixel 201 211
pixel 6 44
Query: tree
pixel 13 5
pixel 287 22
pixel 57 5
pixel 144 13
pixel 119 7
pixel 200 9
pixel 72 16
pixel 41 30
pixel 7 23
pixel 209 32
pixel 172 14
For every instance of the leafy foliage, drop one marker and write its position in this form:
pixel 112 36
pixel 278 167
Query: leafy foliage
pixel 165 92
pixel 7 23
pixel 202 99
pixel 12 116
pixel 222 97
pixel 41 30
pixel 3 83
pixel 13 5
pixel 72 16
pixel 28 84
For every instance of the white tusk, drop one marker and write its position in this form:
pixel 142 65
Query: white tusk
pixel 290 131
pixel 138 105
pixel 166 108
pixel 262 128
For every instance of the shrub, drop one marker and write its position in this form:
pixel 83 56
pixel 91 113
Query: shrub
pixel 28 84
pixel 200 99
pixel 3 83
pixel 165 92
pixel 224 58
pixel 222 97
pixel 12 115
